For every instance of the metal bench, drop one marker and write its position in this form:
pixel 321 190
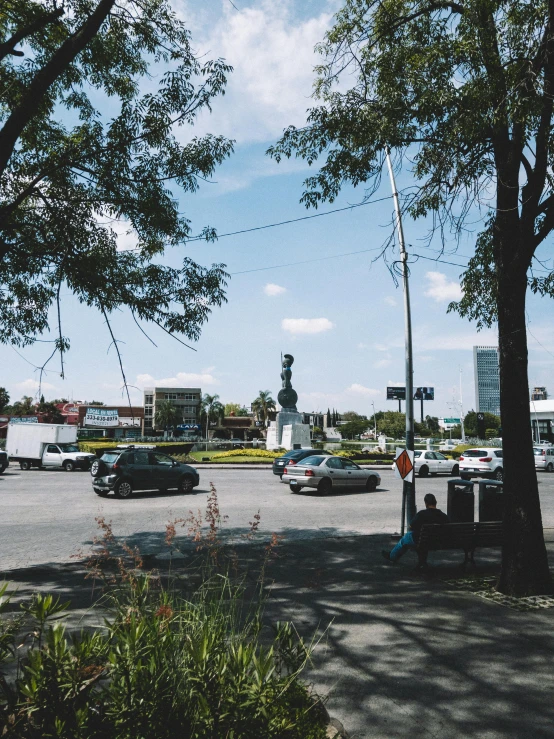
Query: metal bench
pixel 467 536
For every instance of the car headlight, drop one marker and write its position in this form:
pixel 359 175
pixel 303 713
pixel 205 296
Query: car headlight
pixel 81 459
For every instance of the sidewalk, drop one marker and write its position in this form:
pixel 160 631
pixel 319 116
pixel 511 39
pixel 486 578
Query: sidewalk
pixel 406 655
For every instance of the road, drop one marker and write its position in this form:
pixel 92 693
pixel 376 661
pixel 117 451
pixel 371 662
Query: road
pixel 47 516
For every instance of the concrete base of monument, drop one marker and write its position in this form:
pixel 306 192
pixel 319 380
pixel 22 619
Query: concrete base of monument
pixel 288 431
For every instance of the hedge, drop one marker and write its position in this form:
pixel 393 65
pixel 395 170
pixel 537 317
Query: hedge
pixel 99 447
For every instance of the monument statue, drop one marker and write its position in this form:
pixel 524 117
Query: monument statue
pixel 287 397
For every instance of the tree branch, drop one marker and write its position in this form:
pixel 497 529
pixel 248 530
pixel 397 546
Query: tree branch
pixel 7 47
pixel 45 78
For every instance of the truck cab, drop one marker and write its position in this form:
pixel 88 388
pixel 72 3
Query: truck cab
pixel 66 456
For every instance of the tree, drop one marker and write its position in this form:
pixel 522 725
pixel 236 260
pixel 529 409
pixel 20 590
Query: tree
pixel 353 416
pixel 328 418
pixel 470 423
pixel 263 405
pixel 351 429
pixel 211 409
pixel 115 162
pixel 235 409
pixel 23 407
pixel 167 415
pixel 4 398
pixel 48 412
pixel 463 92
pixel 95 402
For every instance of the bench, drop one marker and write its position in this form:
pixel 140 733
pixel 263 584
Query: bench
pixel 467 536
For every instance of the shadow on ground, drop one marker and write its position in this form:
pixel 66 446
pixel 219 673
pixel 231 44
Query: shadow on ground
pixel 402 654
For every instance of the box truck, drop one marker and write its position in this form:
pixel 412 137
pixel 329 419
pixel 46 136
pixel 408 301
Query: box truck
pixel 50 445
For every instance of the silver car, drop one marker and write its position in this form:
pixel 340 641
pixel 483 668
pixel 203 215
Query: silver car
pixel 544 458
pixel 325 473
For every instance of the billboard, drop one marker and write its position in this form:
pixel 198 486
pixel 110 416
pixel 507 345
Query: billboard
pixel 424 393
pixel 396 393
pixel 103 417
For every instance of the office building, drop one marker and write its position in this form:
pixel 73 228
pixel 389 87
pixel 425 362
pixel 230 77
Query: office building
pixel 487 379
pixel 539 393
pixel 186 399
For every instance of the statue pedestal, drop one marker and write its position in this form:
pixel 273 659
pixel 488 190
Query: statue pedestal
pixel 288 431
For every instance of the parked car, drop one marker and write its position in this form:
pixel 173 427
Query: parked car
pixel 432 463
pixel 482 462
pixel 124 471
pixel 4 461
pixel 327 473
pixel 237 443
pixel 294 457
pixel 544 458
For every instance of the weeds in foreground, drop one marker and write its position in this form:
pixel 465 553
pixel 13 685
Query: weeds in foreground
pixel 202 666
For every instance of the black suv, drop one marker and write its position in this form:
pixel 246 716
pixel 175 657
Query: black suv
pixel 3 461
pixel 294 457
pixel 136 468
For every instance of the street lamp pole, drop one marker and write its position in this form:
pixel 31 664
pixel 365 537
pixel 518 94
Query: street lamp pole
pixel 408 492
pixel 374 422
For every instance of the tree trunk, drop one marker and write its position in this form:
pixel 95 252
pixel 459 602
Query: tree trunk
pixel 524 559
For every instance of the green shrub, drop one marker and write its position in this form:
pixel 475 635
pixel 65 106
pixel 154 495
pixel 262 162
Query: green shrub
pixel 164 665
pixel 460 449
pixel 99 447
pixel 262 453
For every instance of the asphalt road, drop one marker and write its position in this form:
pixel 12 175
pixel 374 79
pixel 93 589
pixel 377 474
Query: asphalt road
pixel 47 516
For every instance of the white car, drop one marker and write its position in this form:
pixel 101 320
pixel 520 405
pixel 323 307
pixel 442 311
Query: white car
pixel 544 458
pixel 325 474
pixel 482 462
pixel 432 463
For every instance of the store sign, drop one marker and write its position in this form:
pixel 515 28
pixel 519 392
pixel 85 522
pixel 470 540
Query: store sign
pixel 29 419
pixel 188 427
pixel 101 417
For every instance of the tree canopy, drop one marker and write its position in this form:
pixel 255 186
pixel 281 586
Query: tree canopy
pixel 96 103
pixel 463 93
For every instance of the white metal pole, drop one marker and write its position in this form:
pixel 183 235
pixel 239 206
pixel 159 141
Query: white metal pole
pixel 409 487
pixel 374 423
pixel 462 410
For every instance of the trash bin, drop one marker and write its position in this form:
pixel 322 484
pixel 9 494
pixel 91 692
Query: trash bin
pixel 460 506
pixel 491 500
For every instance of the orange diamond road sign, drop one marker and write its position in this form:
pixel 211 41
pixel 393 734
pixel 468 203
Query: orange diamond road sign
pixel 404 464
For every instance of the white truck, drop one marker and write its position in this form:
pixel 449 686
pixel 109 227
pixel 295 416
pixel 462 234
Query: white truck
pixel 49 445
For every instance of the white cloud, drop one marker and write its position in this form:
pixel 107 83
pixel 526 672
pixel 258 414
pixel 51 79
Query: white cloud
pixel 382 363
pixel 272 54
pixel 366 392
pixel 306 325
pixel 181 379
pixel 361 345
pixel 390 383
pixel 389 300
pixel 440 289
pixel 31 385
pixel 272 289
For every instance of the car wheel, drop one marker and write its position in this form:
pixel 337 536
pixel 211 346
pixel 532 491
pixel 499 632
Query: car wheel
pixel 101 493
pixel 95 468
pixel 2 469
pixel 25 465
pixel 455 470
pixel 371 484
pixel 499 474
pixel 186 484
pixel 325 486
pixel 69 466
pixel 549 467
pixel 423 471
pixel 123 489
pixel 294 488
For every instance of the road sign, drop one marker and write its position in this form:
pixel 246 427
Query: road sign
pixel 396 393
pixel 452 420
pixel 404 464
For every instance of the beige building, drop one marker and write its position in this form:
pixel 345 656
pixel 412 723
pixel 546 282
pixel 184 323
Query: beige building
pixel 186 399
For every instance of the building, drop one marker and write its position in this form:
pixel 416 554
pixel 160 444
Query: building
pixel 487 379
pixel 539 393
pixel 111 421
pixel 186 399
pixel 542 420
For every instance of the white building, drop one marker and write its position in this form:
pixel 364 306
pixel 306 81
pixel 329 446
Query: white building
pixel 487 379
pixel 542 420
pixel 185 399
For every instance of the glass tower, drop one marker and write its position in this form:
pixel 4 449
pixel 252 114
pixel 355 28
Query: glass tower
pixel 487 379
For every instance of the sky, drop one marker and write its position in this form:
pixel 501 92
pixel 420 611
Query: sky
pixel 315 288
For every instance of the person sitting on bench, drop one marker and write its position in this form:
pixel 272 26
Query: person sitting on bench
pixel 431 514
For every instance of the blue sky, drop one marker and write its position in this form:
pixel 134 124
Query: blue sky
pixel 340 316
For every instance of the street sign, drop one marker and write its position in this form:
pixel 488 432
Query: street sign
pixel 404 464
pixel 396 393
pixel 452 420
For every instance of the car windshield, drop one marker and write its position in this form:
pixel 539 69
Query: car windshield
pixel 293 454
pixel 314 461
pixel 110 457
pixel 475 453
pixel 537 451
pixel 69 447
pixel 417 454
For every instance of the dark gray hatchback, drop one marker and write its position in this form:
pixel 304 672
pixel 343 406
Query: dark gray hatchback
pixel 294 457
pixel 127 470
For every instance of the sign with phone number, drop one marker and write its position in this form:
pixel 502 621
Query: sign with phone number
pixel 101 417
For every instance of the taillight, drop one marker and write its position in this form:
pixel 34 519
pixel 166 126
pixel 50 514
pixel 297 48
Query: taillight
pixel 485 459
pixel 461 459
pixel 543 452
pixel 309 473
pixel 285 471
pixel 116 466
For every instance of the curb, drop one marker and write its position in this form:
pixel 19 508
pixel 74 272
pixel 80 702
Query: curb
pixel 264 466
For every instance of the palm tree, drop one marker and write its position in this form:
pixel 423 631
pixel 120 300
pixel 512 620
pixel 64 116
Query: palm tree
pixel 263 405
pixel 166 416
pixel 211 409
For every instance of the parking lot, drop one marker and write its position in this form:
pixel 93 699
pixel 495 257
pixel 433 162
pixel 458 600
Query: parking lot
pixel 48 515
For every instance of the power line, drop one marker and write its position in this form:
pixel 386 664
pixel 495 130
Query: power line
pixel 305 261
